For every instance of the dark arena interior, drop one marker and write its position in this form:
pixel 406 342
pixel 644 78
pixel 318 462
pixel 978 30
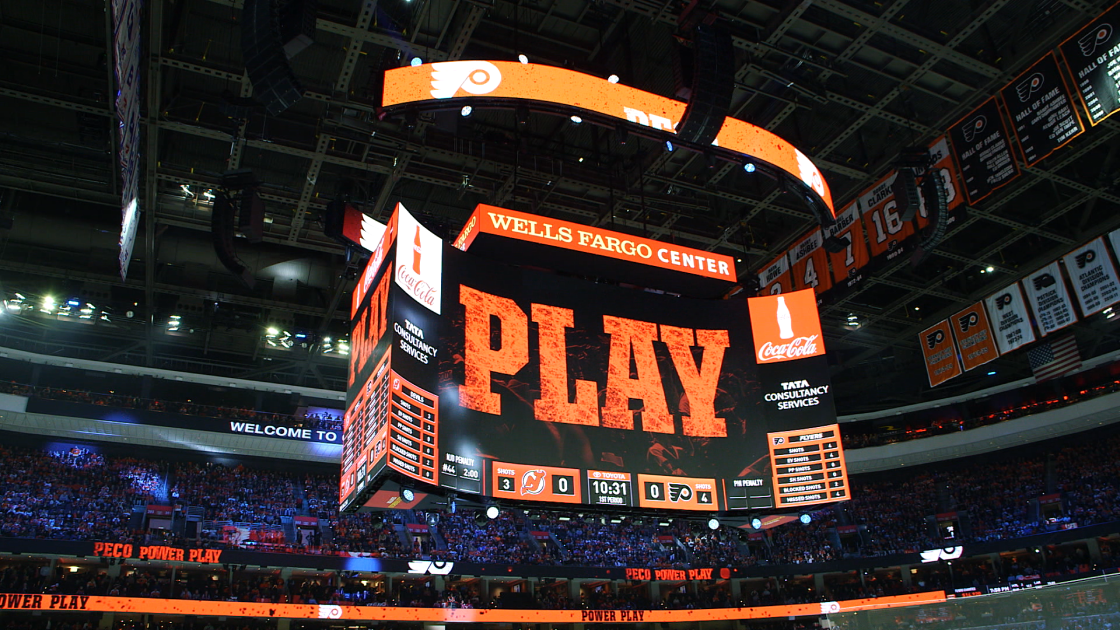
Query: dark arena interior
pixel 559 314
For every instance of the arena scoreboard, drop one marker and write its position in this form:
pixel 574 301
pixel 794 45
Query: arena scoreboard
pixel 509 382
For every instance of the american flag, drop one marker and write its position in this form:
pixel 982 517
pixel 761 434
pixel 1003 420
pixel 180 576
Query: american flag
pixel 1054 358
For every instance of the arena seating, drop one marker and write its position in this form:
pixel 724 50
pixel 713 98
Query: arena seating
pixel 81 495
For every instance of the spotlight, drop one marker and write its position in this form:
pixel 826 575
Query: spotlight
pixel 713 523
pixel 407 495
pixel 492 512
pixel 756 523
pixel 466 111
pixel 669 146
pixel 612 79
pixel 522 58
pixel 989 269
pixel 416 61
pixel 749 167
pixel 577 120
pixel 806 519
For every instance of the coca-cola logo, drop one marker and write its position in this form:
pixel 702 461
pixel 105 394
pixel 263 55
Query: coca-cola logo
pixel 421 289
pixel 798 347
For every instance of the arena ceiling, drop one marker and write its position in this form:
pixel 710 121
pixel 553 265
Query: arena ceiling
pixel 849 82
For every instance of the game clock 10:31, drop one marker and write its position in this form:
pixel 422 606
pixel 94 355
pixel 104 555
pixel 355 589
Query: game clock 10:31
pixel 610 488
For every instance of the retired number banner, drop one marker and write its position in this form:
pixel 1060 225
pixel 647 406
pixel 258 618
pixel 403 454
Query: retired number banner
pixel 774 278
pixel 809 264
pixel 1046 292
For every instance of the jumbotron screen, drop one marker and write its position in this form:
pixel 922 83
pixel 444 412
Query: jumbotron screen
pixel 519 384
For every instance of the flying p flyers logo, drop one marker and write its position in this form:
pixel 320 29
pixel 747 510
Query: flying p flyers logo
pixel 473 77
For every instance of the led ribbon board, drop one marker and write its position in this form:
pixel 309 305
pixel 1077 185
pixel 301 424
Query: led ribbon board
pixel 36 603
pixel 511 81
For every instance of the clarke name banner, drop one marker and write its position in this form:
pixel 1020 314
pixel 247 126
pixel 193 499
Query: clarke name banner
pixel 156 606
pixel 509 382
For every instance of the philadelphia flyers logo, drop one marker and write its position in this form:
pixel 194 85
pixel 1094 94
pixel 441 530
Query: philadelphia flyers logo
pixel 974 127
pixel 473 77
pixel 968 320
pixel 532 482
pixel 1085 258
pixel 1090 41
pixel 935 338
pixel 680 492
pixel 1043 281
pixel 1029 86
pixel 1003 300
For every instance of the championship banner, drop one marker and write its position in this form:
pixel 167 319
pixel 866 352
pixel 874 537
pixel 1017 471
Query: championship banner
pixel 1012 324
pixel 1041 110
pixel 510 382
pixel 885 228
pixel 809 264
pixel 1049 300
pixel 1092 56
pixel 983 150
pixel 943 165
pixel 940 353
pixel 847 262
pixel 1093 276
pixel 774 278
pixel 974 336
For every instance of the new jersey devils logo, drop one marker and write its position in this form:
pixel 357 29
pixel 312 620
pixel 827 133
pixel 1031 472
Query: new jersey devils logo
pixel 473 77
pixel 532 482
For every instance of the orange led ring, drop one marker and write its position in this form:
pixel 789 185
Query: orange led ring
pixel 508 82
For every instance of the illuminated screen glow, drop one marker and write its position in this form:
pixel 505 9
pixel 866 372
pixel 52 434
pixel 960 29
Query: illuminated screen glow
pixel 522 385
pixel 548 84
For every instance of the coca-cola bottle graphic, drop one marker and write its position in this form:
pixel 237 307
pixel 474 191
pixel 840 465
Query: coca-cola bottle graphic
pixel 416 252
pixel 785 321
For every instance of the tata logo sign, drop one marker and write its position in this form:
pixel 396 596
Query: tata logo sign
pixel 948 553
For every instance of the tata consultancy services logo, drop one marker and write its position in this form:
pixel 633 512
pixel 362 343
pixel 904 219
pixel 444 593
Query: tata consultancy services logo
pixel 473 77
pixel 419 261
pixel 786 327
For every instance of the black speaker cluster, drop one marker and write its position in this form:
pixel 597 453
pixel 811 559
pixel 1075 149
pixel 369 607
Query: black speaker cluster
pixel 273 31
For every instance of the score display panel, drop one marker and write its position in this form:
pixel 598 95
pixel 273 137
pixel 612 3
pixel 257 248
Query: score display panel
pixel 521 385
